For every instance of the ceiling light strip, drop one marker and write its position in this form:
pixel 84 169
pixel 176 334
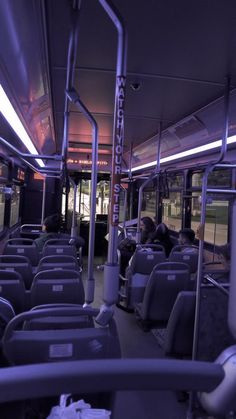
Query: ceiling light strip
pixel 14 121
pixel 191 152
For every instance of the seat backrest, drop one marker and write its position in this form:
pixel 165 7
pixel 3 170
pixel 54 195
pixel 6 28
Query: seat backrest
pixel 6 314
pixel 35 346
pixel 22 247
pixel 145 258
pixel 31 231
pixel 19 264
pixel 58 262
pixel 58 247
pixel 165 282
pixel 185 254
pixel 57 286
pixel 179 331
pixel 12 288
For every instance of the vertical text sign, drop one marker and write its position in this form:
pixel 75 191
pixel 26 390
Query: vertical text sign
pixel 118 138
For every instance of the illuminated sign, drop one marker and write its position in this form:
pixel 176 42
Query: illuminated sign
pixel 117 150
pixel 87 162
pixel 38 176
pixel 20 174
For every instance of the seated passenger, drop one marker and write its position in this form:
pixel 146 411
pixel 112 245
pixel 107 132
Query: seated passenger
pixel 127 246
pixel 51 228
pixel 148 229
pixel 162 237
pixel 186 238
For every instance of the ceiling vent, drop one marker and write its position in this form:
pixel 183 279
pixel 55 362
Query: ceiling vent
pixel 188 128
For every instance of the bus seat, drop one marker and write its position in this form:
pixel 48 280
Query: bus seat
pixel 22 247
pixel 59 247
pixel 22 346
pixel 185 254
pixel 57 286
pixel 57 262
pixel 31 231
pixel 83 319
pixel 179 331
pixel 165 282
pixel 12 288
pixel 19 264
pixel 6 314
pixel 137 274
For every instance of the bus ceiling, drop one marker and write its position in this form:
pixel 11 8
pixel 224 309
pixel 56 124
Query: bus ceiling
pixel 177 68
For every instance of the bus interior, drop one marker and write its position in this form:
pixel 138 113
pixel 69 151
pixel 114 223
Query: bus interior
pixel 111 111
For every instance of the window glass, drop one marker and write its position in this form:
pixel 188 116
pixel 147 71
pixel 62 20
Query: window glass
pixel 215 179
pixel 15 206
pixel 83 200
pixel 175 180
pixel 172 208
pixel 217 213
pixel 2 210
pixel 149 204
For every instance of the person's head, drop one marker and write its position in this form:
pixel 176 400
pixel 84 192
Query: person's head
pixel 162 232
pixel 147 224
pixel 186 236
pixel 52 223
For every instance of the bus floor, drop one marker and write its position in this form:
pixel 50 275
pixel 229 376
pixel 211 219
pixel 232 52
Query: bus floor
pixel 135 343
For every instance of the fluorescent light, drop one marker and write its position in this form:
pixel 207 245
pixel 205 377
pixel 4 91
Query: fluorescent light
pixel 186 153
pixel 14 121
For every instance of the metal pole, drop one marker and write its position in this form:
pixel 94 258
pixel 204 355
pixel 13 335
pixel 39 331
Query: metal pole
pixel 208 170
pixel 71 60
pixel 73 224
pixel 125 205
pixel 226 120
pixel 111 267
pixel 21 156
pixel 73 96
pixel 232 295
pixel 158 166
pixel 43 200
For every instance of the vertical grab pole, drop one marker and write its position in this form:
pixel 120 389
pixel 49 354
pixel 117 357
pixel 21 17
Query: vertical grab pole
pixel 125 206
pixel 73 224
pixel 232 295
pixel 73 96
pixel 158 169
pixel 208 170
pixel 111 267
pixel 44 200
pixel 71 60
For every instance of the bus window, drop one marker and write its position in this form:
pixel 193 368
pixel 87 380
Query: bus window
pixel 15 206
pixel 149 203
pixel 2 210
pixel 217 214
pixel 172 211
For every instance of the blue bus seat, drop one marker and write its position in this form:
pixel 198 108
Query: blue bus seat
pixel 12 288
pixel 81 320
pixel 165 282
pixel 185 254
pixel 58 262
pixel 137 274
pixel 22 346
pixel 180 327
pixel 19 264
pixel 59 247
pixel 6 314
pixel 22 247
pixel 57 286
